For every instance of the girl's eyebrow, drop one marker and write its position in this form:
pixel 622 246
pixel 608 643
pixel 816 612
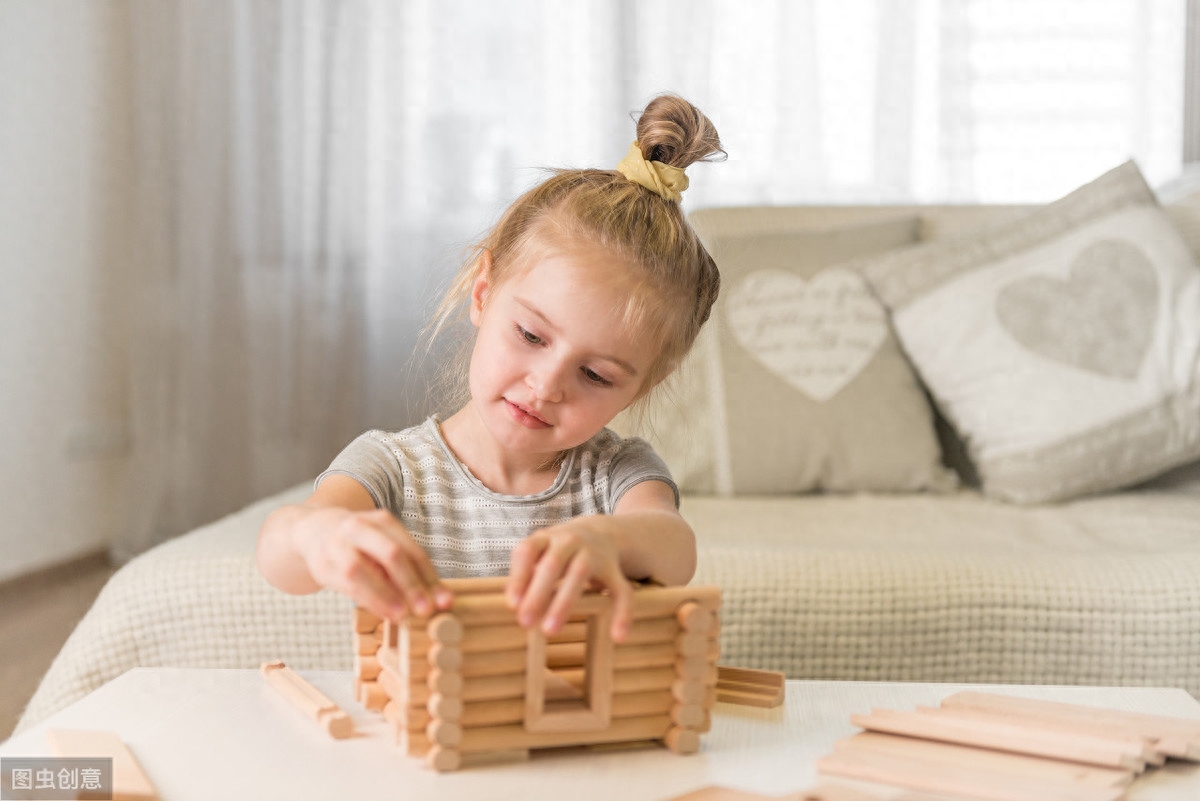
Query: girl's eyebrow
pixel 624 365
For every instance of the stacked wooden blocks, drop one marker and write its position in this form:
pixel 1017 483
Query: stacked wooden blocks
pixel 1001 748
pixel 470 685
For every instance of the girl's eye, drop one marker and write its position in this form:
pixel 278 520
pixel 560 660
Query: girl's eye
pixel 595 377
pixel 529 336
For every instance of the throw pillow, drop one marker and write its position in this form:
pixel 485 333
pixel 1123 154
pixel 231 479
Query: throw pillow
pixel 797 383
pixel 1062 345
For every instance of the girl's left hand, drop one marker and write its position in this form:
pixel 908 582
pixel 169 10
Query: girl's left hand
pixel 551 568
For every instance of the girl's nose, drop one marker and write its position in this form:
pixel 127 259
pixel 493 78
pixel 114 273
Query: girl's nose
pixel 546 382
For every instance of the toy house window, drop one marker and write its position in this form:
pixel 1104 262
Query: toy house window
pixel 568 683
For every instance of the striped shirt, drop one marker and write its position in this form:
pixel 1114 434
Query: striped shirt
pixel 466 528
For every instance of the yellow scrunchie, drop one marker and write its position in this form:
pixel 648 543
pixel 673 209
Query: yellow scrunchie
pixel 662 179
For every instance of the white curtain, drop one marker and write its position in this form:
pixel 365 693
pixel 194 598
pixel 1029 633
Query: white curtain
pixel 310 173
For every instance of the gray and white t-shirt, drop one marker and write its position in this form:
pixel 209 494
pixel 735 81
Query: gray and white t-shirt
pixel 466 528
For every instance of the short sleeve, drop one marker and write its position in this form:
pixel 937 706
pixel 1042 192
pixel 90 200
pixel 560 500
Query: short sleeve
pixel 371 462
pixel 634 462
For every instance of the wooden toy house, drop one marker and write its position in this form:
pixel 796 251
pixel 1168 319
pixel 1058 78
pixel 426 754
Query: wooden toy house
pixel 470 685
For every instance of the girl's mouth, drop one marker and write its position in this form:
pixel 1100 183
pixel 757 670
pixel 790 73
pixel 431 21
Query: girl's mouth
pixel 525 418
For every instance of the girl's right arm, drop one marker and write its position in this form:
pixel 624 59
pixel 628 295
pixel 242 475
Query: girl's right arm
pixel 337 539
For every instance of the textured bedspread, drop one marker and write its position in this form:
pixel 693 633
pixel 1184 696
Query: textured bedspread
pixel 1100 591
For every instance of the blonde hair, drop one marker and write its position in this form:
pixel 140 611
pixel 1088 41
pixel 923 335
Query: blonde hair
pixel 676 279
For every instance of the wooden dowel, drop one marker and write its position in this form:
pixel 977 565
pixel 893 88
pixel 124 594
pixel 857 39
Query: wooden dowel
pixel 489 688
pixel 308 699
pixel 444 707
pixel 476 586
pixel 366 667
pixel 495 663
pixel 682 740
pixel 444 682
pixel 366 643
pixel 957 780
pixel 414 743
pixel 444 733
pixel 444 657
pixel 366 622
pixel 395 687
pixel 985 759
pixel 497 738
pixel 693 617
pixel 1022 740
pixel 445 628
pixel 624 705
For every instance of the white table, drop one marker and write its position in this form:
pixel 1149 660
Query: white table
pixel 205 734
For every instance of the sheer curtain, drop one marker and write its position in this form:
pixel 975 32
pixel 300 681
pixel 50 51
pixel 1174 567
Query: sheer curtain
pixel 311 173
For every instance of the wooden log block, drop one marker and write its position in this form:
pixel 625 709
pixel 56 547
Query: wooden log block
pixel 490 688
pixel 694 618
pixel 496 663
pixel 986 759
pixel 366 644
pixel 445 628
pixel 687 715
pixel 444 682
pixel 365 622
pixel 444 657
pixel 682 740
pixel 395 687
pixel 373 696
pixel 129 781
pixel 308 699
pixel 512 710
pixel 1170 734
pixel 500 738
pixel 444 733
pixel 414 743
pixel 443 759
pixel 476 586
pixel 367 667
pixel 697 668
pixel 445 707
pixel 957 780
pixel 688 691
pixel 1002 737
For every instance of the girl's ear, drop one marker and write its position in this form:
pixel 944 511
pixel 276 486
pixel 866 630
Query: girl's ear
pixel 481 285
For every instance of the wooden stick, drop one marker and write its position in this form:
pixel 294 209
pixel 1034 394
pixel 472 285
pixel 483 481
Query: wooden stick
pixel 445 707
pixel 447 628
pixel 129 781
pixel 694 618
pixel 499 738
pixel 1170 735
pixel 954 779
pixel 366 644
pixel 985 759
pixel 308 699
pixel 366 622
pixel 761 688
pixel 366 667
pixel 1018 739
pixel 681 740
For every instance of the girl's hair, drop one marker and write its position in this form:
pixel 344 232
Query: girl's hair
pixel 676 280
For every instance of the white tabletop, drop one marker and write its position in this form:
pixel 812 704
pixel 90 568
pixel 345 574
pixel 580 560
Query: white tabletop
pixel 204 734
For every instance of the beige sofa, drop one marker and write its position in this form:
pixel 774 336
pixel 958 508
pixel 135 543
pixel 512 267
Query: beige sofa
pixel 939 583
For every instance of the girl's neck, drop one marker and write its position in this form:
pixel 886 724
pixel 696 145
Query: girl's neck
pixel 499 470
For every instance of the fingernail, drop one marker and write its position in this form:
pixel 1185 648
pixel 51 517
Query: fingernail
pixel 444 599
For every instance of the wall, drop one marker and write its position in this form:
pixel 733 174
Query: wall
pixel 65 144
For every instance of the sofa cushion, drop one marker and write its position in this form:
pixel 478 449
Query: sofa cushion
pixel 798 383
pixel 1063 345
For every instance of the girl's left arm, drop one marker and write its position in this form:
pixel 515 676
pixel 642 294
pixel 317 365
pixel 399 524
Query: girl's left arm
pixel 645 538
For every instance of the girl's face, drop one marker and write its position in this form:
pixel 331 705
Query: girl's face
pixel 553 361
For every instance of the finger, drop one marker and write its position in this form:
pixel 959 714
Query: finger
pixel 365 583
pixel 622 595
pixel 550 568
pixel 521 563
pixel 398 562
pixel 578 574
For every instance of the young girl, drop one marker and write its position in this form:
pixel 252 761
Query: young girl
pixel 587 293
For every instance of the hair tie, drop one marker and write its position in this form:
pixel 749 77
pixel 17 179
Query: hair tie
pixel 662 179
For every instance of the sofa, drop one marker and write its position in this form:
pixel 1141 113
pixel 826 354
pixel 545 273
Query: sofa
pixel 863 519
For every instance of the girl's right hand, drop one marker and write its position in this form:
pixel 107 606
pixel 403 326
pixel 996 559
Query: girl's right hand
pixel 339 540
pixel 371 557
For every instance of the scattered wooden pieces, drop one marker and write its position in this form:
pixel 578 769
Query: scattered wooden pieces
pixel 129 782
pixel 308 699
pixel 762 688
pixel 1001 748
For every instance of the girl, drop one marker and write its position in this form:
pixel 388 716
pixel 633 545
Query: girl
pixel 587 293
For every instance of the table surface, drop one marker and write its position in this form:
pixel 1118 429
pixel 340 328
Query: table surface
pixel 204 734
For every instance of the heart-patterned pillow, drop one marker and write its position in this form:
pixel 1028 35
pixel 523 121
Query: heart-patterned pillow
pixel 815 334
pixel 1100 319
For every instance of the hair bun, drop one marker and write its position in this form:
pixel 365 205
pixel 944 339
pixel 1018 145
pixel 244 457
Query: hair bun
pixel 675 132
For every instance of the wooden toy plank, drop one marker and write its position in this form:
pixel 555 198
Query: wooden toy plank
pixel 986 759
pixel 1002 737
pixel 758 699
pixel 129 781
pixel 1171 735
pixel 957 780
pixel 1136 744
